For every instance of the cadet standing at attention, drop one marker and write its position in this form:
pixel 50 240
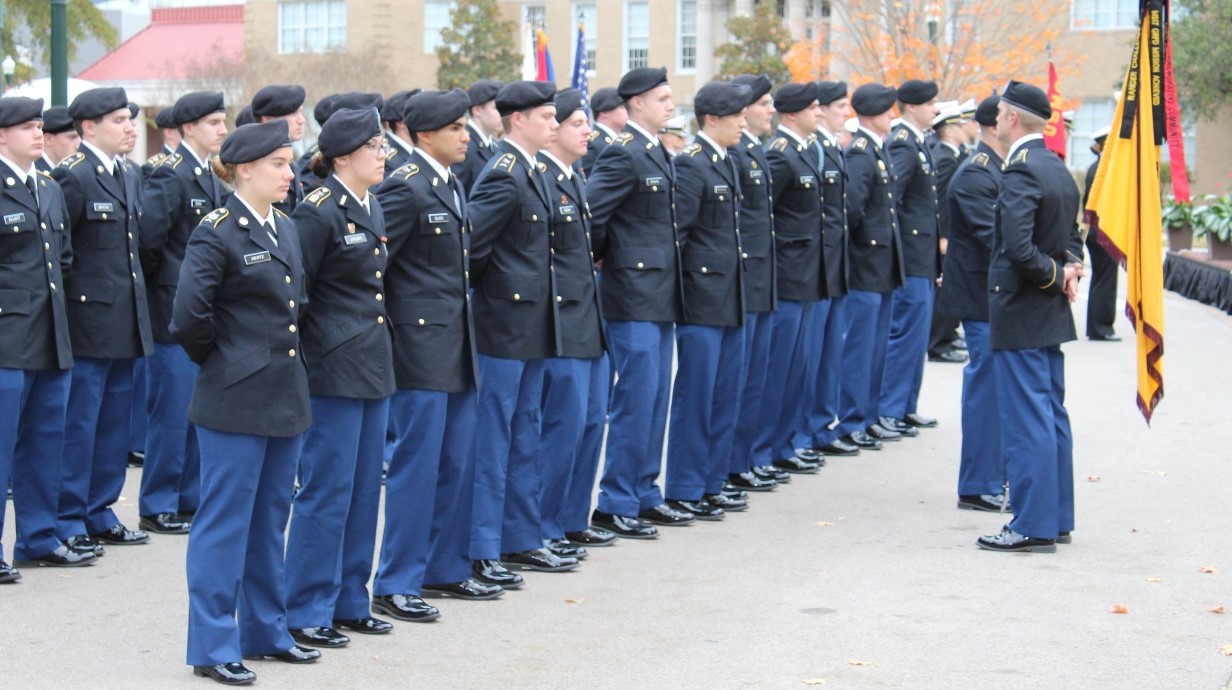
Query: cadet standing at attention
pixel 283 102
pixel 165 122
pixel 60 139
pixel 396 135
pixel 610 119
pixel 948 150
pixel 484 125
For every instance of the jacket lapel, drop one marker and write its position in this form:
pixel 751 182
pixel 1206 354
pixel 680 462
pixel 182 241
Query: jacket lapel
pixel 18 192
pixel 657 153
pixel 105 179
pixel 204 178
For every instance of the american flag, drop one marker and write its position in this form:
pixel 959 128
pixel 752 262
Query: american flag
pixel 579 68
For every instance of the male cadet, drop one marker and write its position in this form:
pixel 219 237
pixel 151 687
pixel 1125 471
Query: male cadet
pixel 796 192
pixel 283 102
pixel 180 192
pixel 972 202
pixel 815 428
pixel 396 134
pixel 430 483
pixel 1101 296
pixel 760 290
pixel 60 140
pixel 484 125
pixel 517 309
pixel 35 351
pixel 171 140
pixel 673 136
pixel 948 151
pixel 710 337
pixel 575 383
pixel 108 317
pixel 632 194
pixel 1033 279
pixel 875 253
pixel 610 119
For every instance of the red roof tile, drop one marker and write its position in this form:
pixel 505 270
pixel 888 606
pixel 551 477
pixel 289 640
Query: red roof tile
pixel 179 43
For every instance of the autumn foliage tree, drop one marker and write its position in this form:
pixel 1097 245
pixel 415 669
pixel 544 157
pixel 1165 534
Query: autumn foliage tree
pixel 759 42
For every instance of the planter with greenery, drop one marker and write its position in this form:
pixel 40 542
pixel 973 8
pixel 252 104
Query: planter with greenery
pixel 1213 220
pixel 1178 221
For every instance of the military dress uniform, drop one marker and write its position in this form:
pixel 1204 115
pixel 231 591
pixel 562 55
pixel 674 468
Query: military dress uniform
pixel 482 147
pixel 1101 295
pixel 944 329
pixel 601 101
pixel 399 153
pixel 280 100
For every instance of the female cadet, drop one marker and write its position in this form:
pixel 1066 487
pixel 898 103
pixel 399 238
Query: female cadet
pixel 236 315
pixel 350 376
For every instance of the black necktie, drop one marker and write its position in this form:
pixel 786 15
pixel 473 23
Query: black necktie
pixel 118 173
pixel 33 190
pixel 457 194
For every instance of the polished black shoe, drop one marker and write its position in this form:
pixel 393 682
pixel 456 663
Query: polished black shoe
pixel 861 440
pixel 469 589
pixel 1009 540
pixel 1110 338
pixel 947 357
pixel 919 420
pixel 663 515
pixel 623 526
pixel 808 454
pixel 959 344
pixel 233 673
pixel 840 447
pixel 1065 538
pixel 325 638
pixel 165 523
pixel 405 607
pixel 989 503
pixel 727 503
pixel 541 560
pixel 899 426
pixel 62 557
pixel 492 572
pixel 564 548
pixel 121 536
pixel 365 626
pixel 770 473
pixel 83 544
pixel 702 510
pixel 883 434
pixel 731 491
pixel 592 536
pixel 136 458
pixel 8 573
pixel 749 481
pixel 294 655
pixel 796 466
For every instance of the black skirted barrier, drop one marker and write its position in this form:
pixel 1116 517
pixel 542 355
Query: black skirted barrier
pixel 1204 281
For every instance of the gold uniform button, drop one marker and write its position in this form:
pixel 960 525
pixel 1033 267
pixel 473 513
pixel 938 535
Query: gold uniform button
pixel 569 219
pixel 464 252
pixel 915 232
pixel 641 265
pixel 291 304
pixel 49 265
pixel 46 246
pixel 705 270
pixel 291 352
pixel 53 286
pixel 375 252
pixel 421 322
pixel 378 274
pixel 559 298
pixel 379 297
pixel 134 275
pixel 45 225
pixel 380 319
pixel 104 218
pixel 438 231
pixel 744 256
pixel 516 297
pixel 873 242
pixel 288 280
pixel 83 298
pixel 291 328
pixel 130 235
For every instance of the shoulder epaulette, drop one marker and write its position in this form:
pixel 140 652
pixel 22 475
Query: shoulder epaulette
pixel 901 135
pixel 215 217
pixel 318 195
pixel 407 171
pixel 505 162
pixel 980 159
pixel 157 159
pixel 44 173
pixel 623 138
pixel 860 143
pixel 280 212
pixel 1022 156
pixel 173 159
pixel 692 150
pixel 72 160
pixel 393 153
pixel 779 144
pixel 594 134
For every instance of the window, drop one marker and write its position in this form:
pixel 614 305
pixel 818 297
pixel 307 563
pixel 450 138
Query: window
pixel 1094 114
pixel 588 15
pixel 534 16
pixel 1104 14
pixel 311 26
pixel 637 34
pixel 687 39
pixel 436 19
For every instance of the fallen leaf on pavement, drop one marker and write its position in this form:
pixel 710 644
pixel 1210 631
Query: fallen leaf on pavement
pixel 1119 608
pixel 1092 477
pixel 814 681
pixel 857 662
pixel 1154 579
pixel 1226 650
pixel 1133 530
pixel 575 601
pixel 823 523
pixel 1208 570
pixel 1216 609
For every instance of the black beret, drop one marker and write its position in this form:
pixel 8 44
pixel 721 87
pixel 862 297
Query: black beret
pixel 133 109
pixel 95 103
pixel 830 91
pixel 917 92
pixel 165 119
pixel 794 97
pixel 324 108
pixel 484 90
pixel 245 117
pixel 759 85
pixel 395 106
pixel 56 120
pixel 524 95
pixel 196 105
pixel 873 99
pixel 347 130
pixel 254 142
pixel 986 112
pixel 357 100
pixel 1030 98
pixel 568 101
pixel 277 100
pixel 428 111
pixel 605 100
pixel 721 98
pixel 18 110
pixel 640 80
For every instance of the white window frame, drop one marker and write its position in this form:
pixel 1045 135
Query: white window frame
pixel 433 25
pixel 334 13
pixel 681 67
pixel 626 46
pixel 1083 12
pixel 592 35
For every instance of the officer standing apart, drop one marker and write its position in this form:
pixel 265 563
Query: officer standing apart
pixel 972 201
pixel 1101 296
pixel 109 321
pixel 484 126
pixel 349 352
pixel 1036 264
pixel 632 194
pixel 235 314
pixel 35 351
pixel 283 102
pixel 610 119
pixel 180 192
pixel 60 139
pixel 431 481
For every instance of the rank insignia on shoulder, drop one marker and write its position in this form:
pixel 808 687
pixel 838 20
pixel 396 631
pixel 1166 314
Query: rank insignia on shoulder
pixel 1022 156
pixel 408 171
pixel 216 216
pixel 318 195
pixel 901 135
pixel 980 159
pixel 860 143
pixel 594 135
pixel 44 173
pixel 624 138
pixel 174 160
pixel 279 212
pixel 692 149
pixel 72 160
pixel 779 144
pixel 505 162
pixel 542 167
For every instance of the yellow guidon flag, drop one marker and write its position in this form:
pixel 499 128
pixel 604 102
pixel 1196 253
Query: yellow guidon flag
pixel 1123 208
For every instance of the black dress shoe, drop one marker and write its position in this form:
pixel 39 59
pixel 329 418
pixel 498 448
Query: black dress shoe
pixel 989 503
pixel 1065 538
pixel 731 491
pixel 749 481
pixel 947 357
pixel 62 557
pixel 919 420
pixel 702 510
pixel 796 466
pixel 663 515
pixel 564 548
pixel 83 544
pixel 1110 338
pixel 325 638
pixel 492 572
pixel 121 536
pixel 861 440
pixel 808 454
pixel 839 447
pixel 623 526
pixel 405 607
pixel 365 626
pixel 959 344
pixel 592 536
pixel 294 655
pixel 897 425
pixel 469 589
pixel 1009 541
pixel 883 434
pixel 770 473
pixel 731 505
pixel 136 458
pixel 165 523
pixel 540 560
pixel 8 573
pixel 233 673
